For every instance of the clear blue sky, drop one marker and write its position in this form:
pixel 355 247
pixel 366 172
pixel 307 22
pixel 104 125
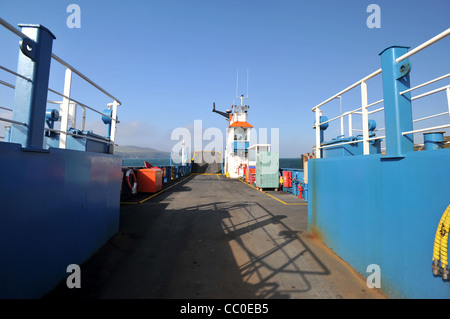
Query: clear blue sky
pixel 168 61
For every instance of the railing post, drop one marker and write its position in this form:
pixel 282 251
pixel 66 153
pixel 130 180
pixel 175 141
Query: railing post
pixel 83 122
pixel 30 99
pixel 72 115
pixel 365 118
pixel 448 99
pixel 350 124
pixel 340 113
pixel 65 109
pixel 397 107
pixel 112 136
pixel 7 137
pixel 318 133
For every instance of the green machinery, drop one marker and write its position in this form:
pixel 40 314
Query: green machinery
pixel 267 170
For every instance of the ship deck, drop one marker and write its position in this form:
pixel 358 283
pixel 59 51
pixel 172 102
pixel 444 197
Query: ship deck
pixel 207 236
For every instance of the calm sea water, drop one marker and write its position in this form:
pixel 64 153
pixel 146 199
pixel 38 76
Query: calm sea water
pixel 139 162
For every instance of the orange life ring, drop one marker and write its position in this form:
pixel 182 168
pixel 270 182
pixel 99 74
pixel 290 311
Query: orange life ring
pixel 133 187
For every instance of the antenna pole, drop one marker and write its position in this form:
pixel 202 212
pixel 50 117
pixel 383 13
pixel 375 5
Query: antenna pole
pixel 237 82
pixel 247 82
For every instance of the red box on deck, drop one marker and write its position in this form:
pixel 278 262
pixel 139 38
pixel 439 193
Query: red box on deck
pixel 287 180
pixel 149 180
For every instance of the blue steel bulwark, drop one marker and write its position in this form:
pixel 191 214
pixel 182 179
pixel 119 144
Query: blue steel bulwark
pixel 384 210
pixel 373 210
pixel 30 99
pixel 58 208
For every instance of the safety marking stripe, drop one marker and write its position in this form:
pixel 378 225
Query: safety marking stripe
pixel 290 204
pixel 156 194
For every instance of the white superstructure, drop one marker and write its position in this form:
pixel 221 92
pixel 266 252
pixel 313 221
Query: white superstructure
pixel 238 139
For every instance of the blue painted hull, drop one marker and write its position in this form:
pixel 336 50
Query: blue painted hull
pixel 375 210
pixel 58 208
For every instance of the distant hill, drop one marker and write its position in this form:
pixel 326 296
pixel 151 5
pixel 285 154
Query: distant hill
pixel 139 152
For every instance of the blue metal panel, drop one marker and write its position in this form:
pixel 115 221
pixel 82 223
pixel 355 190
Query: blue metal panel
pixel 30 98
pixel 51 141
pixel 397 107
pixel 84 144
pixel 378 210
pixel 58 208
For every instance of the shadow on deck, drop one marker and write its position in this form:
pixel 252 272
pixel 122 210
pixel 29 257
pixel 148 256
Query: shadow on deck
pixel 205 242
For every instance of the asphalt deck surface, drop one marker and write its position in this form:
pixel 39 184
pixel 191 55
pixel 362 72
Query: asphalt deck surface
pixel 212 237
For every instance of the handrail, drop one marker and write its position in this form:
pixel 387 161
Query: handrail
pixel 375 103
pixel 81 75
pixel 12 121
pixel 82 104
pixel 373 74
pixel 430 92
pixel 401 58
pixel 7 84
pixel 355 111
pixel 426 83
pixel 424 45
pixel 377 110
pixel 76 135
pixel 352 142
pixel 431 116
pixel 68 105
pixel 53 91
pixel 64 63
pixel 427 129
pixel 15 73
pixel 364 108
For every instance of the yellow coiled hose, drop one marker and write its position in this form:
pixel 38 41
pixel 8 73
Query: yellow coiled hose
pixel 441 240
pixel 444 240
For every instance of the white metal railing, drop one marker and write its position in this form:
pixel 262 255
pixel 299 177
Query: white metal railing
pixel 68 105
pixel 12 86
pixel 363 110
pixel 12 121
pixel 72 106
pixel 424 45
pixel 14 73
pixel 7 84
pixel 72 113
pixel 73 134
pixel 446 88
